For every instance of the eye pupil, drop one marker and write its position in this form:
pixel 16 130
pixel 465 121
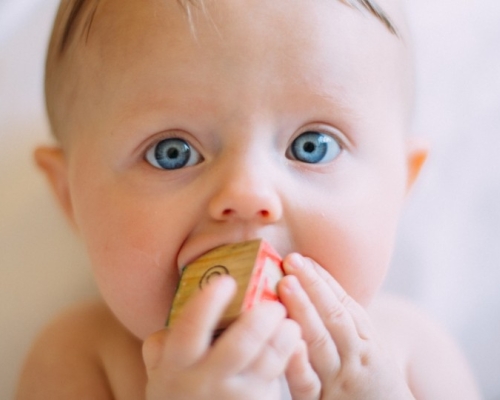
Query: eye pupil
pixel 172 153
pixel 309 147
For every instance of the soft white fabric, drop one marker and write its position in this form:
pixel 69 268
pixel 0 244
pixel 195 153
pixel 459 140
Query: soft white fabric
pixel 447 259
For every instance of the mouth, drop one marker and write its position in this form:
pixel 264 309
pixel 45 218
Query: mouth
pixel 195 249
pixel 253 264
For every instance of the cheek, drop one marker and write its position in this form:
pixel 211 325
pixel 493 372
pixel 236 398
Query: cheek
pixel 133 245
pixel 353 237
pixel 357 259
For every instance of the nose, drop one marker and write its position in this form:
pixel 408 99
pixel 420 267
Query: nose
pixel 246 194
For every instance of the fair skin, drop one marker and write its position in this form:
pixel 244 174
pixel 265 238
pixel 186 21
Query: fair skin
pixel 313 70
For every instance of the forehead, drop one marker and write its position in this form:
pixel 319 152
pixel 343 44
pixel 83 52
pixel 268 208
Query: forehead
pixel 146 50
pixel 83 12
pixel 107 21
pixel 244 31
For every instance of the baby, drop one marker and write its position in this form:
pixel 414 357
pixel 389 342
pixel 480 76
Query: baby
pixel 183 126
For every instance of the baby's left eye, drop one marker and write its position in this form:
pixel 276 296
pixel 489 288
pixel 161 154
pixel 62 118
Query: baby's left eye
pixel 172 153
pixel 315 147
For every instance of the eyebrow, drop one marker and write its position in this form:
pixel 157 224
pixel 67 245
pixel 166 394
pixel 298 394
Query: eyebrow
pixel 75 14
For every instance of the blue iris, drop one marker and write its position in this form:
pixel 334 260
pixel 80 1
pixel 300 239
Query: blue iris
pixel 172 153
pixel 315 147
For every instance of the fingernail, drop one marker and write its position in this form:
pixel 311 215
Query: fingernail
pixel 210 277
pixel 222 282
pixel 226 282
pixel 292 283
pixel 295 261
pixel 152 349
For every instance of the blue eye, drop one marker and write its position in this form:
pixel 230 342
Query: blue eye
pixel 315 147
pixel 172 154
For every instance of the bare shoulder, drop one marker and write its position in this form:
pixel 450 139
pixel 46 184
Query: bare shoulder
pixel 83 353
pixel 434 365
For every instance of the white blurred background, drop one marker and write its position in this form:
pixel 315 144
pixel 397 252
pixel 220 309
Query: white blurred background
pixel 448 255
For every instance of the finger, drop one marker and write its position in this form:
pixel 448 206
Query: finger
pixel 152 349
pixel 244 340
pixel 275 355
pixel 323 352
pixel 191 334
pixel 303 382
pixel 359 314
pixel 337 319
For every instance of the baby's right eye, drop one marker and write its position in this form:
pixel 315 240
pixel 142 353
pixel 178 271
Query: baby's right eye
pixel 172 153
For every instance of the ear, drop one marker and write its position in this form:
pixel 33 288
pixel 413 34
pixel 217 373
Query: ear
pixel 52 162
pixel 417 152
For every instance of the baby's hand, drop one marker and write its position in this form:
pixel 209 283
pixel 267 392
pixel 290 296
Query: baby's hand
pixel 245 362
pixel 345 360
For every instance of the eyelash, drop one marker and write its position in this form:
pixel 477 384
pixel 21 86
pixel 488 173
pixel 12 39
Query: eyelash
pixel 312 146
pixel 317 147
pixel 172 153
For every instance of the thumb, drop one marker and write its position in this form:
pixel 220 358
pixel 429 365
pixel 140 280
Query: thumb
pixel 152 349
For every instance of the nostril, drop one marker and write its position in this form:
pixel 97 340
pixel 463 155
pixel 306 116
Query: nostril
pixel 229 212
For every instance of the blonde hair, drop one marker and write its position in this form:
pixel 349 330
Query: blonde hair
pixel 76 7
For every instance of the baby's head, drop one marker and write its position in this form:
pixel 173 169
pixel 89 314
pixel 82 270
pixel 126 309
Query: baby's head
pixel 78 58
pixel 187 126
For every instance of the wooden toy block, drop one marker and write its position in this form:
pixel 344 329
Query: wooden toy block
pixel 255 266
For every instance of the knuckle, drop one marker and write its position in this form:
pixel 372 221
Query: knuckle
pixel 251 336
pixel 279 351
pixel 334 313
pixel 343 297
pixel 314 283
pixel 269 311
pixel 286 340
pixel 307 389
pixel 320 340
pixel 346 300
pixel 258 324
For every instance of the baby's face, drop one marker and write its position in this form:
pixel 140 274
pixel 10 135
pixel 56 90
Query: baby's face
pixel 263 119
